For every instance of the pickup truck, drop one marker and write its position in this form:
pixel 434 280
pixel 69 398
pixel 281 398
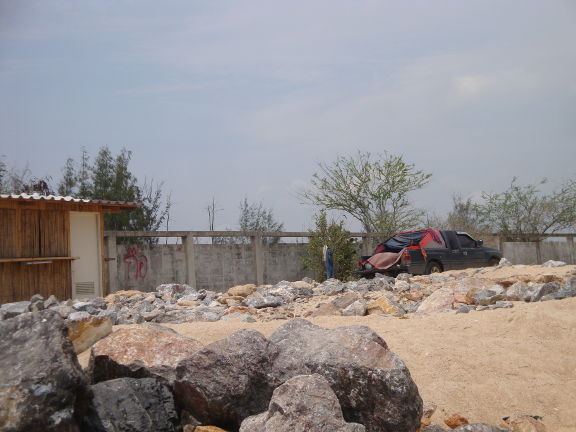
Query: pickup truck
pixel 426 252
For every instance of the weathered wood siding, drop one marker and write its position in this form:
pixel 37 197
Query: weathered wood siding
pixel 34 230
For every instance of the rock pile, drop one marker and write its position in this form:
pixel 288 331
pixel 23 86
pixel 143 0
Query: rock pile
pixel 303 377
pixel 91 319
pixel 150 378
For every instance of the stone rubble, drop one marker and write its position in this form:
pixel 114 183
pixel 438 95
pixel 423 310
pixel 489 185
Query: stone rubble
pixel 245 381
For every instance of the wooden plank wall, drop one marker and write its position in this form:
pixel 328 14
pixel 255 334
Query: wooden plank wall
pixel 32 230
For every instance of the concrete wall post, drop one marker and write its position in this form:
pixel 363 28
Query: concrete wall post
pixel 572 251
pixel 538 252
pixel 188 243
pixel 112 263
pixel 366 245
pixel 256 241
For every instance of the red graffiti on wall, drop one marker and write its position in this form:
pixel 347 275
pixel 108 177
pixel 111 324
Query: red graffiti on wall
pixel 140 263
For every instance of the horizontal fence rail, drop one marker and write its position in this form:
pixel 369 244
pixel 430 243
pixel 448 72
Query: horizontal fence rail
pixel 535 253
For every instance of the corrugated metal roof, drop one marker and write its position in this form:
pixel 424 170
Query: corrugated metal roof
pixel 25 196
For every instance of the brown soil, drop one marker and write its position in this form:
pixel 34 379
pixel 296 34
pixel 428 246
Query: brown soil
pixel 482 365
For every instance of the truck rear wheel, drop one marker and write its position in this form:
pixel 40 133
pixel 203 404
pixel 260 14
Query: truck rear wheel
pixel 493 262
pixel 433 267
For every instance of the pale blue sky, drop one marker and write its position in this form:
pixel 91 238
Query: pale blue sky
pixel 232 99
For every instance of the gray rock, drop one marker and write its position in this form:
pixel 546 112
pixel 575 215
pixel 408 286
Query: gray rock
pixel 504 263
pixel 262 302
pixel 390 280
pixel 331 287
pixel 303 403
pixel 479 427
pixel 90 307
pixel 466 309
pixel 77 316
pixel 63 310
pixel 482 308
pixel 516 292
pixel 42 386
pixel 553 263
pixel 36 297
pixel 547 288
pixel 129 404
pixel 401 285
pixel 483 294
pixel 404 277
pixel 548 297
pixel 411 307
pixel 372 384
pixel 193 297
pixel 175 317
pixel 247 318
pixel 358 308
pixel 228 380
pixel 171 290
pixel 111 314
pixel 144 306
pixel 51 302
pixel 10 310
pixel 567 290
pixel 37 304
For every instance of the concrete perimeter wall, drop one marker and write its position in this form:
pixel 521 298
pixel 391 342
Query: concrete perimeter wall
pixel 217 267
pixel 538 253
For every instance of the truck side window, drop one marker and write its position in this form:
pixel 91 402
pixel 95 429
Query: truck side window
pixel 451 242
pixel 466 242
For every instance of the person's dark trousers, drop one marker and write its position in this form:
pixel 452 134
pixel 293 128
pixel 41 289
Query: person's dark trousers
pixel 329 263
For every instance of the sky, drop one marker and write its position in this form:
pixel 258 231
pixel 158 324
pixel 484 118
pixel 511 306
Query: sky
pixel 230 99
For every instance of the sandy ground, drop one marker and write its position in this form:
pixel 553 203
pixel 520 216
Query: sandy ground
pixel 483 365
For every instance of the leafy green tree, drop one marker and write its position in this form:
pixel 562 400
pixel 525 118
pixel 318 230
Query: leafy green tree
pixel 332 234
pixel 374 191
pixel 527 210
pixel 109 178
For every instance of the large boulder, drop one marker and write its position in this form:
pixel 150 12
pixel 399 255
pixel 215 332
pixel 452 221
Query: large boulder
pixel 303 403
pixel 373 385
pixel 148 350
pixel 131 405
pixel 228 380
pixel 42 386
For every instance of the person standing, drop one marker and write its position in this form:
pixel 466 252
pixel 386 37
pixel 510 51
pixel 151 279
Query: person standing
pixel 329 263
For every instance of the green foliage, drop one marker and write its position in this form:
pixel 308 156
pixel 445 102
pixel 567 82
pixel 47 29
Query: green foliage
pixel 375 192
pixel 255 217
pixel 109 178
pixel 332 234
pixel 526 210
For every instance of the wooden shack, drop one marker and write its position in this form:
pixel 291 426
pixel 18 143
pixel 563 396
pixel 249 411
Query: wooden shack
pixel 52 245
